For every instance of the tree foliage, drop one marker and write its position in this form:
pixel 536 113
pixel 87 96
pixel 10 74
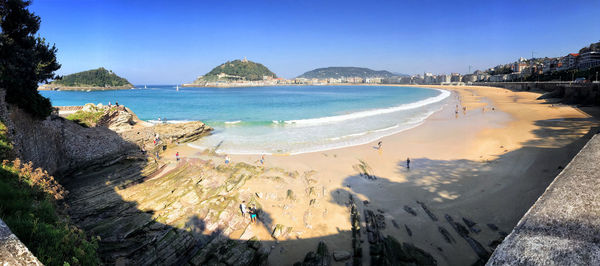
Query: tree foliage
pixel 239 70
pixel 27 60
pixel 93 78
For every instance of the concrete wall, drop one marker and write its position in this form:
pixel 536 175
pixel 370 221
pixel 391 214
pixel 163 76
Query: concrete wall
pixel 571 93
pixel 12 251
pixel 563 226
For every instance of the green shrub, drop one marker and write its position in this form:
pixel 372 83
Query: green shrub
pixel 28 206
pixel 86 119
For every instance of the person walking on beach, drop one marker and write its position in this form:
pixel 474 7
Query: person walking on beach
pixel 177 156
pixel 243 208
pixel 227 159
pixel 379 145
pixel 407 162
pixel 253 214
pixel 262 159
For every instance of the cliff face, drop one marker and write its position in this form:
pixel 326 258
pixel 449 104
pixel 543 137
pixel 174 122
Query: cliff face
pixel 59 145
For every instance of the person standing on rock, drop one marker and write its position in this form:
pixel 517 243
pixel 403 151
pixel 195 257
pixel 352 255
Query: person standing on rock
pixel 227 159
pixel 177 156
pixel 408 163
pixel 243 208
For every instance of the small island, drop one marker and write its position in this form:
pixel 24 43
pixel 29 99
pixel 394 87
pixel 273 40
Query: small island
pixel 95 79
pixel 236 73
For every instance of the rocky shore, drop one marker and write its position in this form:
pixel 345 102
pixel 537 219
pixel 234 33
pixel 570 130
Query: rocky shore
pixel 53 87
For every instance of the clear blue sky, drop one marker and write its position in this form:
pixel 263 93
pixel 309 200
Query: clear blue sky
pixel 168 42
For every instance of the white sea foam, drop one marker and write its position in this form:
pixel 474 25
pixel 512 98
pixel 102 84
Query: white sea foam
pixel 338 118
pixel 365 132
pixel 233 122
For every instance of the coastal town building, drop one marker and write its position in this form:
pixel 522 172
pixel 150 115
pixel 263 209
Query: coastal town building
pixel 589 60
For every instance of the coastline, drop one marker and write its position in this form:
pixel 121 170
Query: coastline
pixel 365 137
pixel 50 87
pixel 487 166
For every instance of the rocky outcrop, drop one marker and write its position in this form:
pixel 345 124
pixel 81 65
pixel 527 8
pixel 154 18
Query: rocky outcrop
pixel 320 258
pixel 59 145
pixel 146 215
pixel 117 119
pixel 167 133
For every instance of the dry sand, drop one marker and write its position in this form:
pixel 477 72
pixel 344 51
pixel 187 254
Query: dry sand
pixel 486 165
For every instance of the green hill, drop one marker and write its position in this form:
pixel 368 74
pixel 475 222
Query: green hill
pixel 237 70
pixel 339 72
pixel 100 77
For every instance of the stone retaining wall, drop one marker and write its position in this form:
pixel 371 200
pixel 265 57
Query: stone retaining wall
pixel 12 250
pixel 563 226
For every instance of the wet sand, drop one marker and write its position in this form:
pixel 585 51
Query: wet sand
pixel 485 165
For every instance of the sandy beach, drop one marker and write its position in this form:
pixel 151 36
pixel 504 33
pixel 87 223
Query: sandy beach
pixel 487 163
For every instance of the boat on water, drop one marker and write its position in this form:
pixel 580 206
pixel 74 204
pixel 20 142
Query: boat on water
pixel 177 88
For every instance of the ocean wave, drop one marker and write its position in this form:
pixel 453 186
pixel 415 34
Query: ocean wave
pixel 361 114
pixel 233 122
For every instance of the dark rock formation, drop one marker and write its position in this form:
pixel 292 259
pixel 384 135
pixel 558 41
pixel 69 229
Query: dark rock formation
pixel 471 225
pixel 464 233
pixel 493 227
pixel 356 234
pixel 446 235
pixel 319 258
pixel 431 215
pixel 408 231
pixel 410 210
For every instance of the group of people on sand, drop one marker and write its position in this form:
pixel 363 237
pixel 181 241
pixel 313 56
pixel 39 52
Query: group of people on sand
pixel 250 210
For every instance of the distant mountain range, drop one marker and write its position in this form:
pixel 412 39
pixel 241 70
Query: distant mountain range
pixel 339 72
pixel 237 70
pixel 99 77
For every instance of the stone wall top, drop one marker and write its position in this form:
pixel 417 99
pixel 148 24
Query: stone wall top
pixel 12 250
pixel 563 226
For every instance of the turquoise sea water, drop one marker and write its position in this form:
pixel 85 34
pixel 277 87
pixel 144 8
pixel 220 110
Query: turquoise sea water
pixel 281 119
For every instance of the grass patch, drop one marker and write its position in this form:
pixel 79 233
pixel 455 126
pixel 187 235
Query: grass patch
pixel 86 119
pixel 5 144
pixel 28 206
pixel 89 118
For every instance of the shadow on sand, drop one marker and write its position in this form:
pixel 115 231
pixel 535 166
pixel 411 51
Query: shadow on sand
pixel 145 215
